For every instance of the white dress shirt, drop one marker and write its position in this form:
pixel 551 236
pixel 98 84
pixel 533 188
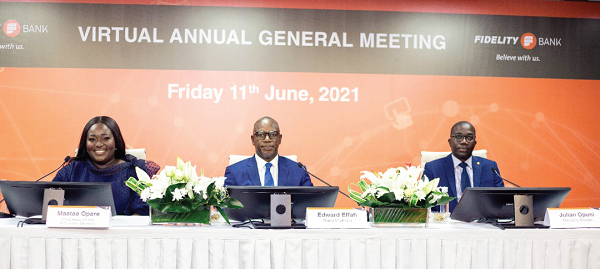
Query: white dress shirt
pixel 262 168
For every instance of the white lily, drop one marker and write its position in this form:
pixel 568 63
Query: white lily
pixel 431 185
pixel 142 175
pixel 168 171
pixel 178 175
pixel 219 182
pixel 180 164
pixel 185 186
pixel 370 176
pixel 420 194
pixel 406 183
pixel 435 197
pixel 202 186
pixel 390 175
pixel 368 192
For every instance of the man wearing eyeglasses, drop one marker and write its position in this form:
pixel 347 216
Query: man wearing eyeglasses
pixel 460 169
pixel 266 167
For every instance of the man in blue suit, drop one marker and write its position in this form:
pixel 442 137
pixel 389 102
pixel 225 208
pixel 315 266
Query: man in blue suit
pixel 266 167
pixel 460 169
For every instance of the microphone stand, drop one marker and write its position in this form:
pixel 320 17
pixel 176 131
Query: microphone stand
pixel 304 167
pixel 498 174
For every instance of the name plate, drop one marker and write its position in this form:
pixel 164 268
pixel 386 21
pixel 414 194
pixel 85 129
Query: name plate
pixel 572 218
pixel 336 217
pixel 78 217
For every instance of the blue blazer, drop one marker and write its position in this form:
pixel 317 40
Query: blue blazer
pixel 245 173
pixel 483 176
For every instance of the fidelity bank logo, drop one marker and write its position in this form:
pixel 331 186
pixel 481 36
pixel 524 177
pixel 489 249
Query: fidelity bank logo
pixel 11 28
pixel 528 40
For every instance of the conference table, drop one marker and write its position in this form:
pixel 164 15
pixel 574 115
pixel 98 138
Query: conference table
pixel 131 242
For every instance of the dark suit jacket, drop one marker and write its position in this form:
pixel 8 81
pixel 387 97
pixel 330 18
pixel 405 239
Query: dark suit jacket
pixel 245 173
pixel 483 176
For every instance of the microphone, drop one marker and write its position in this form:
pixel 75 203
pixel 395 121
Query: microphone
pixel 68 158
pixel 304 167
pixel 498 174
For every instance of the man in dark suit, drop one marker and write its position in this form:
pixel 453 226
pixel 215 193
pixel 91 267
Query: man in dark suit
pixel 460 169
pixel 266 167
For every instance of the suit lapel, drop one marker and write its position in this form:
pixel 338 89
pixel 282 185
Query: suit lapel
pixel 283 172
pixel 476 172
pixel 449 167
pixel 253 172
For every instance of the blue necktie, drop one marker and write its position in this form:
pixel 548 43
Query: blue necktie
pixel 464 177
pixel 268 176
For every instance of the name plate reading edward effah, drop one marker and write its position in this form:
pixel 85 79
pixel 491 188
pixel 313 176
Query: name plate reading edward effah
pixel 336 217
pixel 97 217
pixel 572 217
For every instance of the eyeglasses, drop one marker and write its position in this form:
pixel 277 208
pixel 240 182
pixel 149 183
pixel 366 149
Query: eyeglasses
pixel 459 138
pixel 262 135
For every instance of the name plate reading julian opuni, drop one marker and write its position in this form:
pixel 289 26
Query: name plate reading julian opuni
pixel 97 217
pixel 336 217
pixel 572 217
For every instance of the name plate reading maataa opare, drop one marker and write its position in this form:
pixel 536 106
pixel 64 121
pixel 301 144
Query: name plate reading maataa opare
pixel 97 217
pixel 572 217
pixel 334 217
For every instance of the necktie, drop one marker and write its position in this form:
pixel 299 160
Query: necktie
pixel 268 176
pixel 464 177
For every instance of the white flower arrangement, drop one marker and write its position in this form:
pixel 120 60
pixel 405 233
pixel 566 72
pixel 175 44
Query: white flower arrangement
pixel 179 189
pixel 398 187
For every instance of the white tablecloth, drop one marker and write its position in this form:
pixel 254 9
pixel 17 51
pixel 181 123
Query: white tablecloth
pixel 132 243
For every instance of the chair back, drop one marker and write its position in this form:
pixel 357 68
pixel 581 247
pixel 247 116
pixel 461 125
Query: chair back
pixel 138 153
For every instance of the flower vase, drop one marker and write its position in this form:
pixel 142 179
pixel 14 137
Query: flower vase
pixel 400 217
pixel 192 218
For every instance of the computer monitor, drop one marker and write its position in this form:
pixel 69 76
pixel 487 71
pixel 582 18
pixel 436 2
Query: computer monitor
pixel 257 200
pixel 498 203
pixel 26 198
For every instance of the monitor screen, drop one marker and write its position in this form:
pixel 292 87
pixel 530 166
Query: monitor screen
pixel 26 198
pixel 257 200
pixel 498 203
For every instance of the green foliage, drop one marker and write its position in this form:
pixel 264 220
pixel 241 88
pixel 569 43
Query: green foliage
pixel 194 205
pixel 135 185
pixel 388 199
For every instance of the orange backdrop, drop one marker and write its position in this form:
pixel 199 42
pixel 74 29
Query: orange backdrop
pixel 538 130
pixel 541 132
